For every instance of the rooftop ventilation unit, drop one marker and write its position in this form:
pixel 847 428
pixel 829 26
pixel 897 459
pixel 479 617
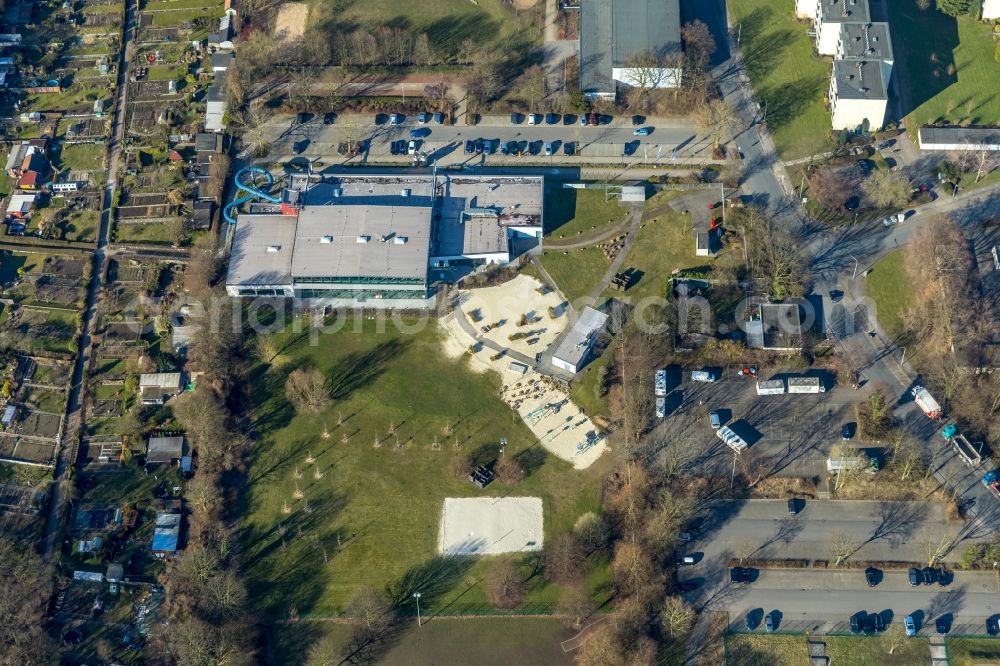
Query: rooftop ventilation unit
pixel 405 192
pixel 336 192
pixel 326 240
pixel 273 248
pixel 400 240
pixel 364 239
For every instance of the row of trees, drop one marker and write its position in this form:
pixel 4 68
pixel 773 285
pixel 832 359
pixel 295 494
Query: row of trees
pixel 209 617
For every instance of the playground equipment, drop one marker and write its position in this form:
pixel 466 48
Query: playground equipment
pixel 250 190
pixel 537 415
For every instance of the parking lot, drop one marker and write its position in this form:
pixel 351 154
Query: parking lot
pixel 788 435
pixel 499 140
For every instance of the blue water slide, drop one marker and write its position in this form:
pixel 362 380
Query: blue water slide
pixel 247 190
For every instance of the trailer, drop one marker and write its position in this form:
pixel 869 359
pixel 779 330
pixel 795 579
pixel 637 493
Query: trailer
pixel 660 383
pixel 992 482
pixel 928 405
pixel 805 385
pixel 971 454
pixel 732 440
pixel 770 387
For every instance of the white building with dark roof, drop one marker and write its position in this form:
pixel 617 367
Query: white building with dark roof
pixel 573 351
pixel 859 93
pixel 618 36
pixel 371 240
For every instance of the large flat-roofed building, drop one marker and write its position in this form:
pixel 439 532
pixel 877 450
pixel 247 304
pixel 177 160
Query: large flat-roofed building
pixel 370 240
pixel 859 93
pixel 629 42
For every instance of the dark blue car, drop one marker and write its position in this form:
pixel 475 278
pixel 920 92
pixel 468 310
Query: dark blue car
pixel 420 132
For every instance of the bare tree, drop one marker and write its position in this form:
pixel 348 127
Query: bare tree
pixel 717 120
pixel 564 559
pixel 676 617
pixel 631 569
pixel 893 638
pixel 27 583
pixel 699 45
pixel 829 187
pixel 253 126
pixel 592 531
pixel 602 647
pixel 843 547
pixel 461 466
pixel 422 54
pixel 772 254
pixel 984 161
pixel 532 84
pixel 508 470
pixel 886 188
pixel 308 390
pixel 504 584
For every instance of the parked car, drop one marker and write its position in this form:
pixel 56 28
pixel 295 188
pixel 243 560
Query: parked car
pixel 914 577
pixel 550 147
pixel 516 118
pixel 685 537
pixel 479 146
pixel 551 118
pixel 888 143
pixel 847 432
pixel 630 148
pixel 569 148
pixel 592 119
pixel 910 625
pixel 856 621
pixel 993 625
pixel 535 147
pixel 642 131
pixel 505 148
pixel 794 507
pixel 438 118
pixel 534 118
pixel 929 575
pixel 942 625
pixel 395 118
pixel 686 585
pixel 423 117
pixel 512 147
pixel 703 376
pixel 412 148
pixel 569 119
pixel 771 621
pixel 715 419
pixel 420 132
pixel 751 621
pixel 638 120
pixel 329 118
pixel 740 575
pixel 871 576
pixel 687 560
pixel 470 147
pixel 866 166
pixel 303 118
pixel 894 219
pixel 943 577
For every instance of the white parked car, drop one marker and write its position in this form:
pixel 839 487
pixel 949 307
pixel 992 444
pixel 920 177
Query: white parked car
pixel 894 219
pixel 534 118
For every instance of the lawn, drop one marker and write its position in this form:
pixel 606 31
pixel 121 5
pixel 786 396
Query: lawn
pixel 665 242
pixel 973 651
pixel 576 272
pixel 82 225
pixel 447 23
pixel 83 157
pixel 888 286
pixel 172 18
pixel 865 651
pixel 946 67
pixel 570 212
pixel 155 232
pixel 787 74
pixel 584 391
pixel 767 650
pixel 369 514
pixel 481 641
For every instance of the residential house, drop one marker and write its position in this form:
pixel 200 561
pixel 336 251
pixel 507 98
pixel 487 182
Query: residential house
pixel 222 61
pixel 157 388
pixel 859 94
pixel 201 215
pixel 27 155
pixel 20 206
pixel 629 43
pixel 831 15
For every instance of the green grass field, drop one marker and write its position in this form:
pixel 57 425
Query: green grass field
pixel 570 212
pixel 874 651
pixel 372 517
pixel 583 389
pixel 156 232
pixel 787 73
pixel 482 641
pixel 888 286
pixel 660 247
pixel 576 272
pixel 82 157
pixel 973 651
pixel 447 23
pixel 946 66
pixel 766 650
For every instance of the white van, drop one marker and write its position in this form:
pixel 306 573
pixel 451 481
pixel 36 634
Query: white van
pixel 702 376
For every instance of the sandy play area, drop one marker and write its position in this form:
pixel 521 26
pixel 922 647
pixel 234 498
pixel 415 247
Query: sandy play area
pixel 490 525
pixel 511 303
pixel 542 403
pixel 291 21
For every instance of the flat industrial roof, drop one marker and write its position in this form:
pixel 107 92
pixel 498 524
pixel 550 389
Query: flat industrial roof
pixel 575 344
pixel 866 40
pixel 986 137
pixel 860 79
pixel 250 262
pixel 327 241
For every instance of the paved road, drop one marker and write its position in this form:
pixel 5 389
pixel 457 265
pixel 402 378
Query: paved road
pixel 825 600
pixel 74 415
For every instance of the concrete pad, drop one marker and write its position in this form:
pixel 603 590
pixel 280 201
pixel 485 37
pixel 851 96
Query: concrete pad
pixel 490 525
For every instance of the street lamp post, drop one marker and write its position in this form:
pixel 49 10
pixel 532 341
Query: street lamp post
pixel 416 595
